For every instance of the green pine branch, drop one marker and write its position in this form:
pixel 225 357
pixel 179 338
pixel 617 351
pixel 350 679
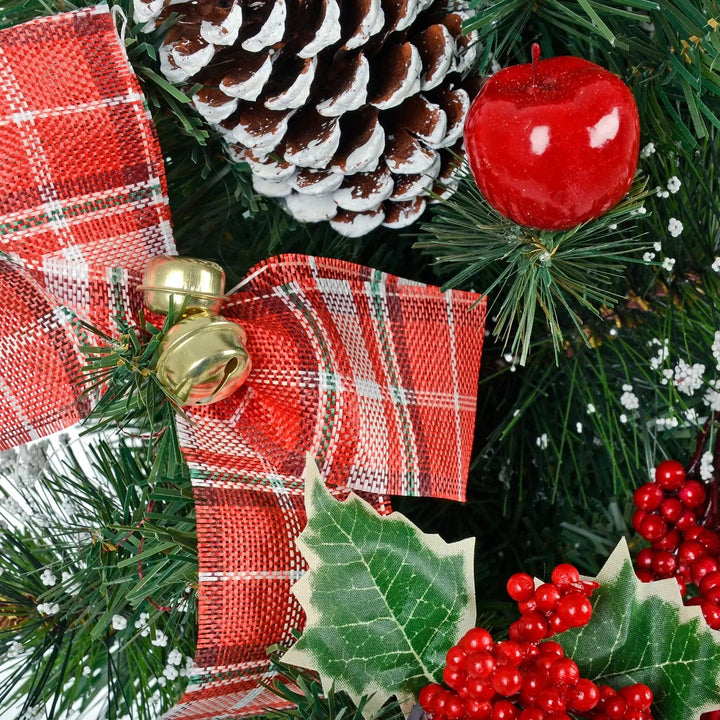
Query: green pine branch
pixel 526 273
pixel 97 598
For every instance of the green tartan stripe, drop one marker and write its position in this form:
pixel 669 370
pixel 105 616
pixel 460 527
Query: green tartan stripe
pixel 203 477
pixel 29 222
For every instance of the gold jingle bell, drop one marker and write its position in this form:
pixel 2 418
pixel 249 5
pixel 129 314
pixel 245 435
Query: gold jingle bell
pixel 183 283
pixel 203 357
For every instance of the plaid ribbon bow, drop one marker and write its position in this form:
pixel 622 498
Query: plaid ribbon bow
pixel 374 375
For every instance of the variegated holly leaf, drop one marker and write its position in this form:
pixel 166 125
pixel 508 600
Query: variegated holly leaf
pixel 642 632
pixel 384 601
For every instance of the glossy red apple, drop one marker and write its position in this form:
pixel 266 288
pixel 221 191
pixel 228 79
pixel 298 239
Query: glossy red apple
pixel 553 143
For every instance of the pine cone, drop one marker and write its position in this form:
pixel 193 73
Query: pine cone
pixel 350 112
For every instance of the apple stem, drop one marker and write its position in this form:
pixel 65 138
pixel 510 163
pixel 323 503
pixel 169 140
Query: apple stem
pixel 535 54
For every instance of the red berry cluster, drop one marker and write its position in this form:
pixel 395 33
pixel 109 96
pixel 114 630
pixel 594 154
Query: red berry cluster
pixel 527 677
pixel 552 607
pixel 670 515
pixel 512 680
pixel 631 703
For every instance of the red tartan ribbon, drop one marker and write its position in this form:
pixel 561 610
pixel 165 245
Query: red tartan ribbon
pixel 374 375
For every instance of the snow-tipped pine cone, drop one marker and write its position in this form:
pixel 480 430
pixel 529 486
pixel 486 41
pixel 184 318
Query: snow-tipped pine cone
pixel 346 110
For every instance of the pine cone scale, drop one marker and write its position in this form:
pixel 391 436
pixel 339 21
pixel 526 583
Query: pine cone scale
pixel 341 109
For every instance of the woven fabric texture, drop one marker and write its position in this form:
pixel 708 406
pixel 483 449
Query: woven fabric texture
pixel 377 378
pixel 82 191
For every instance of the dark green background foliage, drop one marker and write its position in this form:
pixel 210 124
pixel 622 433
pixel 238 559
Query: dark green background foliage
pixel 550 481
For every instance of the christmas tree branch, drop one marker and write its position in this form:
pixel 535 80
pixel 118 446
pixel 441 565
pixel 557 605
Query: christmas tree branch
pixel 526 272
pixel 80 624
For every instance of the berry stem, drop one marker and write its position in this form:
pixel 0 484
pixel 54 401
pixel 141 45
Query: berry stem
pixel 535 55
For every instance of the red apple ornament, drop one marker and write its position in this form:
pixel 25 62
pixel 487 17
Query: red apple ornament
pixel 553 143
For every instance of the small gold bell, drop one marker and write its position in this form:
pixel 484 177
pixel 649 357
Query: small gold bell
pixel 198 285
pixel 203 357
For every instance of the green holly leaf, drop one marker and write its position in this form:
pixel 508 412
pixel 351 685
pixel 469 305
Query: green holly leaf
pixel 642 632
pixel 384 601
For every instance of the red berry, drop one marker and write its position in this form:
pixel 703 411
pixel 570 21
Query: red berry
pixel 709 581
pixel 644 559
pixel 520 586
pixel 480 665
pixel 692 494
pixel 711 613
pixel 644 575
pixel 713 594
pixel 710 540
pixel 527 606
pixel 670 475
pixel 506 680
pixel 532 714
pixel 565 574
pixel 427 694
pixel 454 708
pixel 532 627
pixel 585 696
pixel 637 517
pixel 686 521
pixel 653 527
pixel 550 647
pixel 514 632
pixel 690 551
pixel 648 497
pixel 509 652
pixel 477 709
pixel 534 681
pixel 638 696
pixel 669 542
pixel 615 707
pixel 438 701
pixel 672 509
pixel 632 714
pixel 694 532
pixel 682 585
pixel 551 700
pixel 700 568
pixel 556 624
pixel 564 671
pixel 476 639
pixel 455 656
pixel 503 710
pixel 480 689
pixel 574 609
pixel 546 597
pixel 664 563
pixel 454 678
